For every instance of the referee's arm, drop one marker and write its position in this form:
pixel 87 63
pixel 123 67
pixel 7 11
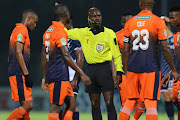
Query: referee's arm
pixel 116 54
pixel 74 33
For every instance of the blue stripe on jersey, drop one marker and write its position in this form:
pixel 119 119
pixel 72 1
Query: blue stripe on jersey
pixel 72 46
pixel 20 87
pixel 156 85
pixel 56 93
pixel 164 65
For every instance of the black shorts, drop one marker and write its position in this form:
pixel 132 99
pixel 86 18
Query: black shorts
pixel 101 77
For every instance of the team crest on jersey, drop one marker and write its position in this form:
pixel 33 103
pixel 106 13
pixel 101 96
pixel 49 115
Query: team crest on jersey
pixel 50 29
pixel 63 41
pixel 19 37
pixel 165 32
pixel 100 47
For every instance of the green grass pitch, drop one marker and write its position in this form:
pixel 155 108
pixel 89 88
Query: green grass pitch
pixel 83 116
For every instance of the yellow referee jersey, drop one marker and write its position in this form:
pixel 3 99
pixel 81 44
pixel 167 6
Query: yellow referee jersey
pixel 98 47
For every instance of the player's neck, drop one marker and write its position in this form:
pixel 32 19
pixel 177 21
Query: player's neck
pixel 96 27
pixel 150 9
pixel 24 22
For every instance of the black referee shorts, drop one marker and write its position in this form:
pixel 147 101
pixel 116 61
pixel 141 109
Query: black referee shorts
pixel 101 77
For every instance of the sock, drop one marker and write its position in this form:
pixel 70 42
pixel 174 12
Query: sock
pixel 139 111
pixel 169 109
pixel 96 114
pixel 17 114
pixel 60 114
pixel 151 117
pixel 53 116
pixel 26 116
pixel 68 115
pixel 76 116
pixel 123 116
pixel 178 115
pixel 112 115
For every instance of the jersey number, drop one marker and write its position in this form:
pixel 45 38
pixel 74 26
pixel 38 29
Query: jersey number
pixel 47 44
pixel 143 33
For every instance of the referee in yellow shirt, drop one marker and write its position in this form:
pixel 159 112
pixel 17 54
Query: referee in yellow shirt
pixel 99 45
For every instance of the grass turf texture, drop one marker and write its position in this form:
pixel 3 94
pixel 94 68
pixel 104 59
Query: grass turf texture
pixel 83 116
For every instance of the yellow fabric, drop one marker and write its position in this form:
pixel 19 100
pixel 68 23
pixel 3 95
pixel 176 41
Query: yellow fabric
pixel 98 48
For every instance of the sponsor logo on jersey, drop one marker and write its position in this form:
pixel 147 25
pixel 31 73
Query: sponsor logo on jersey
pixel 63 41
pixel 19 37
pixel 142 17
pixel 50 29
pixel 100 47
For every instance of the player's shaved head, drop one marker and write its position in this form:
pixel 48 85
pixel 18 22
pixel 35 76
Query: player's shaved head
pixel 59 11
pixel 29 13
pixel 92 10
pixel 146 4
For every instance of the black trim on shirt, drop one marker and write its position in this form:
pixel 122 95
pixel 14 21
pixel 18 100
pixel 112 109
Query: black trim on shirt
pixel 95 32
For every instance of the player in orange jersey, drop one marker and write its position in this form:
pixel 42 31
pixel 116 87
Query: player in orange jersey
pixel 18 69
pixel 55 61
pixel 120 38
pixel 174 15
pixel 143 34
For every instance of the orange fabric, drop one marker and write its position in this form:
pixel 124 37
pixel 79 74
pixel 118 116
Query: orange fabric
pixel 68 115
pixel 56 35
pixel 123 90
pixel 140 108
pixel 154 25
pixel 151 117
pixel 65 90
pixel 17 114
pixel 123 116
pixel 53 116
pixel 26 116
pixel 20 29
pixel 176 91
pixel 120 38
pixel 146 81
pixel 14 88
pixel 176 38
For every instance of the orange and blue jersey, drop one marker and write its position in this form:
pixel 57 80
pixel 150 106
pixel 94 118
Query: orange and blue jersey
pixel 19 34
pixel 176 37
pixel 55 37
pixel 144 32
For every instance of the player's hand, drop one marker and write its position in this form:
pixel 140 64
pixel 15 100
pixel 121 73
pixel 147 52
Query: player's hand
pixel 28 81
pixel 86 80
pixel 44 86
pixel 175 75
pixel 74 83
pixel 165 80
pixel 117 81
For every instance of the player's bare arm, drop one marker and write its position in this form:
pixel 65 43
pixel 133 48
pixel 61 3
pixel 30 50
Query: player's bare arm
pixel 168 56
pixel 44 86
pixel 125 56
pixel 19 49
pixel 69 61
pixel 80 60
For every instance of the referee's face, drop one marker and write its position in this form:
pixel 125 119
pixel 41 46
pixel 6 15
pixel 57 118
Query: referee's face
pixel 95 17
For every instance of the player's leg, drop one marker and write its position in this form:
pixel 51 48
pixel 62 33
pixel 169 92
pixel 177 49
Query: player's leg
pixel 54 112
pixel 140 108
pixel 123 91
pixel 20 93
pixel 108 98
pixel 150 89
pixel 95 105
pixel 75 111
pixel 132 95
pixel 70 106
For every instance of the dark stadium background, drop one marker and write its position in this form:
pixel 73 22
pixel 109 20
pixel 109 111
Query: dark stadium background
pixel 11 13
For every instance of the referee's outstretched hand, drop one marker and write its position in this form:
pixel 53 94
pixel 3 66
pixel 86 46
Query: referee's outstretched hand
pixel 86 80
pixel 28 81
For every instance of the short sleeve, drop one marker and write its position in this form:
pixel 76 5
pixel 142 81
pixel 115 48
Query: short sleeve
pixel 20 35
pixel 162 32
pixel 61 38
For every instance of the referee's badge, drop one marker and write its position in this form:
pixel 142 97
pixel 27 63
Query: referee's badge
pixel 100 47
